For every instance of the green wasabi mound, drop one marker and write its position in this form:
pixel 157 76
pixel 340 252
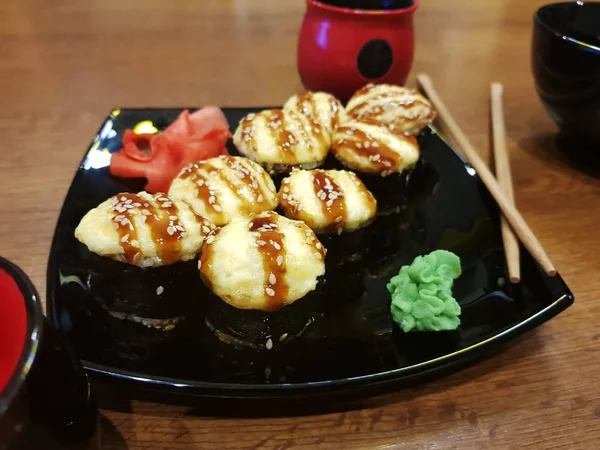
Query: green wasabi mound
pixel 422 293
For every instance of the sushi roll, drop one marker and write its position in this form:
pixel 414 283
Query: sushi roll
pixel 328 201
pixel 258 267
pixel 322 108
pixel 281 140
pixel 225 187
pixel 373 148
pixel 139 249
pixel 399 108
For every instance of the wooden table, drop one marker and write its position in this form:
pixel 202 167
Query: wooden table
pixel 65 64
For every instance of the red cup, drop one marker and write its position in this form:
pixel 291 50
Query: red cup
pixel 342 49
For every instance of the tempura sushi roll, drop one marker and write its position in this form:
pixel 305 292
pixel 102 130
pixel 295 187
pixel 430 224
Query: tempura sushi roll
pixel 372 148
pixel 139 247
pixel 260 266
pixel 399 108
pixel 282 140
pixel 328 201
pixel 223 188
pixel 322 109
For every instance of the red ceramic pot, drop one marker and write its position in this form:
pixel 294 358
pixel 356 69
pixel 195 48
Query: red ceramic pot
pixel 342 49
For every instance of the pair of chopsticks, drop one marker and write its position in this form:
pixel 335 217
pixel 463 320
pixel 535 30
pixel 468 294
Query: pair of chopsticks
pixel 500 188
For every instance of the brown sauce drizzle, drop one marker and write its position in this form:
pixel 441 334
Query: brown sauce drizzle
pixel 335 116
pixel 163 221
pixel 333 202
pixel 382 156
pixel 270 246
pixel 366 110
pixel 312 114
pixel 245 175
pixel 284 139
pixel 204 190
pixel 207 258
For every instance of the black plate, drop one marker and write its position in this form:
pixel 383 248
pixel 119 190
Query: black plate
pixel 351 342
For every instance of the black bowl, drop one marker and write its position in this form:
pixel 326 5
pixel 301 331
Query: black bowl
pixel 45 399
pixel 566 67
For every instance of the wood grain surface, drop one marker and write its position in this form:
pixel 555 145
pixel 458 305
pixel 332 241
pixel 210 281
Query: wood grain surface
pixel 65 64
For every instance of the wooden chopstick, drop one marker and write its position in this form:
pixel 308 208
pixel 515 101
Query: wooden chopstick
pixel 503 175
pixel 513 216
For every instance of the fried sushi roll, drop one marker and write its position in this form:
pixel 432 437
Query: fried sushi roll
pixel 143 229
pixel 322 109
pixel 282 140
pixel 226 187
pixel 397 107
pixel 373 148
pixel 262 262
pixel 139 266
pixel 328 201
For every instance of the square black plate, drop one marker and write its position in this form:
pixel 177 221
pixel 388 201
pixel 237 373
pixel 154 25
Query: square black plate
pixel 352 342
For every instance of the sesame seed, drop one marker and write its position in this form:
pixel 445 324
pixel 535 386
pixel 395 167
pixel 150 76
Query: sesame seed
pixel 199 264
pixel 125 238
pixel 358 145
pixel 279 260
pixel 375 144
pixel 205 229
pixel 339 231
pixel 179 228
pixel 319 246
pixel 270 292
pixel 211 199
pixel 272 279
pixel 137 205
pixel 276 245
pixel 135 243
pixel 269 344
pixel 145 212
pixel 170 230
pixel 160 290
pixel 285 196
pixel 218 208
pixel 210 239
pixel 128 201
pixel 119 218
pixel 261 242
pixel 173 217
pixel 260 198
pixel 338 219
pixel 200 183
pixel 123 198
pixel 184 234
